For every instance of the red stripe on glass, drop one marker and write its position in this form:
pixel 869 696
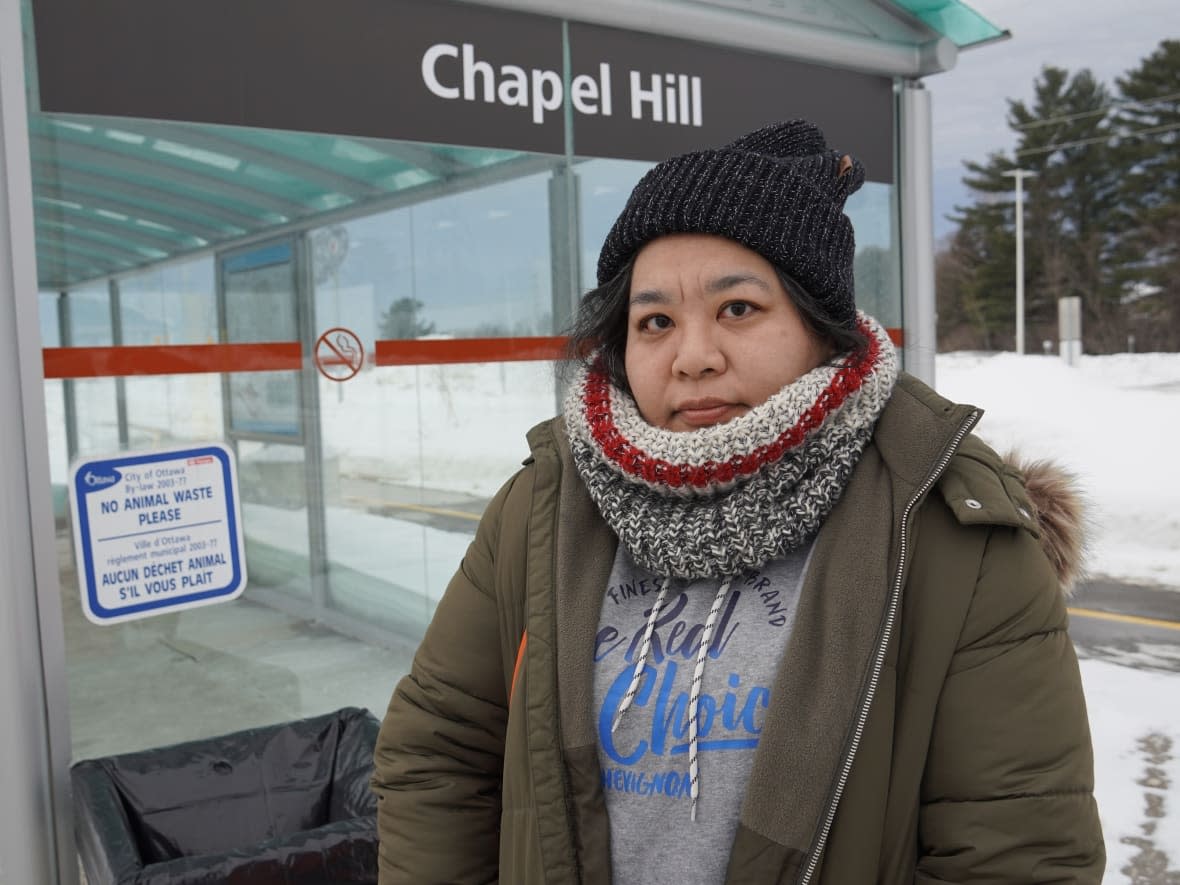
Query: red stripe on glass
pixel 184 359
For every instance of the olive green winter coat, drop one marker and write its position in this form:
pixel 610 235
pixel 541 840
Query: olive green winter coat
pixel 945 736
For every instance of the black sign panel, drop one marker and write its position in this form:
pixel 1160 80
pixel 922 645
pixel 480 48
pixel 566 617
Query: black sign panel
pixel 348 67
pixel 670 96
pixel 438 71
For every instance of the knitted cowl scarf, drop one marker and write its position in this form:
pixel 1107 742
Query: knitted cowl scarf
pixel 715 502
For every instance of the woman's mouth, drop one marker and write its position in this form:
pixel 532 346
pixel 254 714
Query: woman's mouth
pixel 705 412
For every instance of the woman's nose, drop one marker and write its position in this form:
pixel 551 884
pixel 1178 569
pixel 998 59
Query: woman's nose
pixel 697 352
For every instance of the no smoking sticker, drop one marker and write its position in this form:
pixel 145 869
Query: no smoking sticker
pixel 339 354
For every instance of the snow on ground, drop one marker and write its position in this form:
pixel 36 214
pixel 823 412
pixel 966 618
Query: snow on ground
pixel 1135 723
pixel 1113 421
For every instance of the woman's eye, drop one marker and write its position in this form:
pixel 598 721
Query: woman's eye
pixel 655 323
pixel 737 309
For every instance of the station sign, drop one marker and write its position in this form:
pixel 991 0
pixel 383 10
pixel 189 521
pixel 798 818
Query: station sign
pixel 443 72
pixel 157 532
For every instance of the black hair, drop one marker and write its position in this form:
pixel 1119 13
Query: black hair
pixel 598 335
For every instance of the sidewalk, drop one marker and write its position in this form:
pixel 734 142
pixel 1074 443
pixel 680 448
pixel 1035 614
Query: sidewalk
pixel 212 670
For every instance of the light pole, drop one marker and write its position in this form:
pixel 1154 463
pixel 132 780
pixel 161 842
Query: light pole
pixel 1020 175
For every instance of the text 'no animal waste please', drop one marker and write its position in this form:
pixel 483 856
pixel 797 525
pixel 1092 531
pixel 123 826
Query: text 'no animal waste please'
pixel 157 532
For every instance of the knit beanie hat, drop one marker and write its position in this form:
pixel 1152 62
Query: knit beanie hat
pixel 778 191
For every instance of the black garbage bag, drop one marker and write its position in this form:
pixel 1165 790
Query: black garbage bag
pixel 287 804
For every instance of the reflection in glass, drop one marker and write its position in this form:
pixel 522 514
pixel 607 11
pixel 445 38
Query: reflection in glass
pixel 605 186
pixel 272 484
pixel 167 410
pixel 470 264
pixel 417 454
pixel 47 313
pixel 97 418
pixel 877 265
pixel 264 403
pixel 260 301
pixel 172 304
pixel 90 316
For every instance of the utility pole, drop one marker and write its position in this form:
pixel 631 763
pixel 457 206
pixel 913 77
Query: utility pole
pixel 1020 175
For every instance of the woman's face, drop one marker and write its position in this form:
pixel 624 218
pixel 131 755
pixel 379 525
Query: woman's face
pixel 710 332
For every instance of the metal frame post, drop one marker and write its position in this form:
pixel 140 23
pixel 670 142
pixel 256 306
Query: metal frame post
pixel 36 826
pixel 65 334
pixel 915 181
pixel 116 306
pixel 318 562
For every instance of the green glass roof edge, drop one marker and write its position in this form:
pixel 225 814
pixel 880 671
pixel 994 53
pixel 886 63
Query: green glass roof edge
pixel 954 20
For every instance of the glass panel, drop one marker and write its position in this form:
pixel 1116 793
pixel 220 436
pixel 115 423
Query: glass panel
pixel 273 480
pixel 260 295
pixel 605 186
pixel 403 487
pixel 55 409
pixel 165 410
pixel 261 306
pixel 209 671
pixel 115 194
pixel 480 262
pixel 172 304
pixel 50 325
pixel 953 19
pixel 876 266
pixel 409 484
pixel 361 269
pixel 90 316
pixel 265 403
pixel 95 411
pixel 473 264
pixel 97 418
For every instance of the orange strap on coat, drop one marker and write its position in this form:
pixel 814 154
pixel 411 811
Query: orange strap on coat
pixel 524 641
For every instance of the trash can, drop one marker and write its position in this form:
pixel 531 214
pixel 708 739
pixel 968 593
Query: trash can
pixel 287 804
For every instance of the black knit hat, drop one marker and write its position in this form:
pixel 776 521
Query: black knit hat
pixel 779 191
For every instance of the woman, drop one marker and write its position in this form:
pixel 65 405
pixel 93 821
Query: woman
pixel 758 609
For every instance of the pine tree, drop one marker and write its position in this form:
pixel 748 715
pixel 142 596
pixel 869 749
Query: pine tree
pixel 1069 214
pixel 1148 253
pixel 981 255
pixel 400 320
pixel 1064 139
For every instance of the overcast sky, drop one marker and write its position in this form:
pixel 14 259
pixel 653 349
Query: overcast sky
pixel 969 101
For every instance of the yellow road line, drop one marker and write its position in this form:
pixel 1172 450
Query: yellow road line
pixel 1124 619
pixel 417 508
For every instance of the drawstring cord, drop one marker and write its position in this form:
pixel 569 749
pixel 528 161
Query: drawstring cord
pixel 698 678
pixel 641 662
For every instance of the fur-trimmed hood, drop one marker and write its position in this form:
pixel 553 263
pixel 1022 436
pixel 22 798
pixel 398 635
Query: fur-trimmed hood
pixel 1059 509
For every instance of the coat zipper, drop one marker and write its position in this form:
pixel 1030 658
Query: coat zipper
pixel 566 787
pixel 879 659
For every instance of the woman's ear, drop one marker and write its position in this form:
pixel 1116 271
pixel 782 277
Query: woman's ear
pixel 845 165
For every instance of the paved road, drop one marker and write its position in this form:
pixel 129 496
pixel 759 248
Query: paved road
pixel 1127 623
pixel 446 511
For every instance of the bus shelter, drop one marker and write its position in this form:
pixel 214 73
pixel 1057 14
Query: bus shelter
pixel 326 253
